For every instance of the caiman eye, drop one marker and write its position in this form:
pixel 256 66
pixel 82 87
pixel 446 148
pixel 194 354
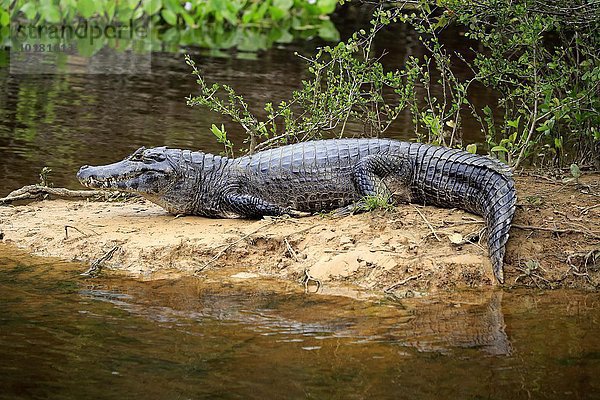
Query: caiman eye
pixel 138 155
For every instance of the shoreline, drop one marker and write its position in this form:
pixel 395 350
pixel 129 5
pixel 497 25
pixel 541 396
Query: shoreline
pixel 408 251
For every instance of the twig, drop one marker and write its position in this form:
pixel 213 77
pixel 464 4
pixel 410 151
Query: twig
pixel 72 227
pixel 306 280
pixel 290 249
pixel 96 266
pixel 402 282
pixel 230 245
pixel 428 224
pixel 549 180
pixel 36 192
pixel 555 230
pixel 586 209
pixel 302 230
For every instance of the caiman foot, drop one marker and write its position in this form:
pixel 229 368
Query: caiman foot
pixel 350 209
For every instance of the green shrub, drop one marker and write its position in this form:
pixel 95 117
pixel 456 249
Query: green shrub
pixel 191 13
pixel 540 57
pixel 543 58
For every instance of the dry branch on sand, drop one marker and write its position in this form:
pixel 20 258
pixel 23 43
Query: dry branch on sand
pixel 38 192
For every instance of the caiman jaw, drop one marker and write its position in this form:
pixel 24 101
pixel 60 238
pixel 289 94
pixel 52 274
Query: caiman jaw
pixel 146 172
pixel 109 182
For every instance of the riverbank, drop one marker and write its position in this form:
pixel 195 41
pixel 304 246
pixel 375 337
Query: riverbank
pixel 409 251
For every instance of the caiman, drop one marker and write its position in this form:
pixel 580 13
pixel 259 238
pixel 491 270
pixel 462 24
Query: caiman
pixel 324 175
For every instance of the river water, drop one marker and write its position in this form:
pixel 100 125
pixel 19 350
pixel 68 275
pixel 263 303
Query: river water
pixel 64 337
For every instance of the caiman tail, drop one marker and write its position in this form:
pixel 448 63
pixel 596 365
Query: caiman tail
pixel 454 178
pixel 498 205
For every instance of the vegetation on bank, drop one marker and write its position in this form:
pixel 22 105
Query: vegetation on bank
pixel 192 13
pixel 541 58
pixel 246 25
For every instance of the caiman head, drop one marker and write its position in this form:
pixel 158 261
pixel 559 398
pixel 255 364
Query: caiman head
pixel 149 172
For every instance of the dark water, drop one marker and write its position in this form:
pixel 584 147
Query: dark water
pixel 65 337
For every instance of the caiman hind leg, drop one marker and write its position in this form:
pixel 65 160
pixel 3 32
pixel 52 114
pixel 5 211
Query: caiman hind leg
pixel 248 206
pixel 384 177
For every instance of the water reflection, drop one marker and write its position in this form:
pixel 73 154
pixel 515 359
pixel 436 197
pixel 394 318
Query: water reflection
pixel 438 326
pixel 64 337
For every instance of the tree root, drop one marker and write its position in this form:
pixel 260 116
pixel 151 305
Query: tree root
pixel 96 266
pixel 428 224
pixel 307 279
pixel 390 289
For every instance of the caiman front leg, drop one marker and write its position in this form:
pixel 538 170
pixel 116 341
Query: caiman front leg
pixel 380 175
pixel 249 206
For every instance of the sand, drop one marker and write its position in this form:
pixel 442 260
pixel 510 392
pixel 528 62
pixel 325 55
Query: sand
pixel 408 251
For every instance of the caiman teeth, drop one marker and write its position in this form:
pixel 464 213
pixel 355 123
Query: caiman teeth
pixel 102 183
pixel 108 182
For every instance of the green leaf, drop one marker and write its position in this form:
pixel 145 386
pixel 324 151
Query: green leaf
pixel 100 5
pixel 4 18
pixel 472 148
pixel 280 35
pixel 171 35
pixel 137 13
pixel 261 11
pixel 30 11
pixel 86 8
pixel 277 13
pixel 173 5
pixel 542 128
pixel 514 123
pixel 328 31
pixel 169 16
pixel 326 6
pixel 501 149
pixel 87 47
pixel 247 16
pixel 220 134
pixel 123 13
pixel 67 5
pixel 152 6
pixel 111 6
pixel 132 4
pixel 283 4
pixel 280 9
pixel 558 143
pixel 230 17
pixel 189 21
pixel 575 171
pixel 51 14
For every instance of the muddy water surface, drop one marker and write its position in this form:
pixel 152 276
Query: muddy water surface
pixel 62 336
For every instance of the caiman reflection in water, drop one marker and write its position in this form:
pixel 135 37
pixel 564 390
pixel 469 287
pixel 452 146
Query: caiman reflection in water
pixel 439 325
